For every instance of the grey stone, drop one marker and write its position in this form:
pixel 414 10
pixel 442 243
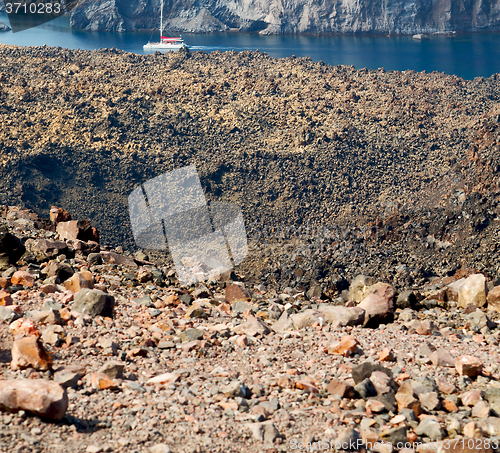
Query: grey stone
pixel 69 376
pixel 234 389
pixel 9 272
pixel 94 302
pixel 423 384
pixel 406 299
pixel 409 414
pixel 492 395
pixel 430 427
pixel 349 439
pixel 241 307
pixel 314 291
pixel 186 299
pixel 395 436
pixel 191 334
pixel 366 389
pixel 430 401
pixel 133 386
pixel 53 335
pixel 478 320
pixel 146 301
pixel 490 426
pixel 154 312
pixel 94 259
pixel 11 249
pixel 341 316
pixel 365 370
pixel 264 432
pixel 113 369
pixel 271 406
pixel 388 400
pixel 57 269
pixel 51 304
pixel 7 315
pixel 166 345
pixel 407 315
pixel 201 292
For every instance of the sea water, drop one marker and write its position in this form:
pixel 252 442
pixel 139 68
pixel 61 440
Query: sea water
pixel 466 55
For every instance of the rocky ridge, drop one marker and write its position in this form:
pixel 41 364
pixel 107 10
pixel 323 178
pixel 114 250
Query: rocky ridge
pixel 102 350
pixel 325 16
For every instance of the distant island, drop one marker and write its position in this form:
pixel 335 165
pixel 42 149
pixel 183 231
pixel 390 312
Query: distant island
pixel 300 16
pixel 4 27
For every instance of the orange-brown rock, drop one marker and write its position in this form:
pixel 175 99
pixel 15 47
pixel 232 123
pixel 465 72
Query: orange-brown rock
pixel 346 347
pixel 23 328
pixel 79 281
pixel 406 399
pixel 23 278
pixel 101 381
pixel 449 406
pixel 343 389
pixel 493 299
pixel 5 298
pixel 467 365
pixel 57 215
pixel 77 229
pixel 235 294
pixel 29 352
pixel 386 355
pixel 171 300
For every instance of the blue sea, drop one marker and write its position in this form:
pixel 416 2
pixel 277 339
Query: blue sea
pixel 465 55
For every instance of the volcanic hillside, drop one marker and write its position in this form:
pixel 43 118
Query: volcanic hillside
pixel 337 171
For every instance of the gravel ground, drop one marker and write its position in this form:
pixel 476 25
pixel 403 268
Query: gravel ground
pixel 233 385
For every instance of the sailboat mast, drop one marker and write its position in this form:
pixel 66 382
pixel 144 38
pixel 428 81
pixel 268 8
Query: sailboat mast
pixel 161 20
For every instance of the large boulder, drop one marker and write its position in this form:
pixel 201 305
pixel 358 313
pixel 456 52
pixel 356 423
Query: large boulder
pixel 77 229
pixel 472 291
pixel 50 249
pixel 38 396
pixel 378 310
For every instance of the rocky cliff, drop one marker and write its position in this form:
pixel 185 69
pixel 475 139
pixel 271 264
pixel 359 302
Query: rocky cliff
pixel 286 16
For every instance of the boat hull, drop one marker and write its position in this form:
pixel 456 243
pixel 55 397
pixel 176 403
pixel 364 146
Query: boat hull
pixel 162 47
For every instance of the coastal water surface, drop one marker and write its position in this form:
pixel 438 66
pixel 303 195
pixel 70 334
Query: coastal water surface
pixel 465 55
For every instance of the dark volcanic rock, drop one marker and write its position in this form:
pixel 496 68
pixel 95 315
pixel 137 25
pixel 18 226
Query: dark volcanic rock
pixel 11 249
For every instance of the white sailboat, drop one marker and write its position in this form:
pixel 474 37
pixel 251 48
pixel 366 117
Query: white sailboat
pixel 165 43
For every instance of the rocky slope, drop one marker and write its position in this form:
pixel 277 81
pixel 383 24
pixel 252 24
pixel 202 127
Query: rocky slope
pixel 319 16
pixel 334 169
